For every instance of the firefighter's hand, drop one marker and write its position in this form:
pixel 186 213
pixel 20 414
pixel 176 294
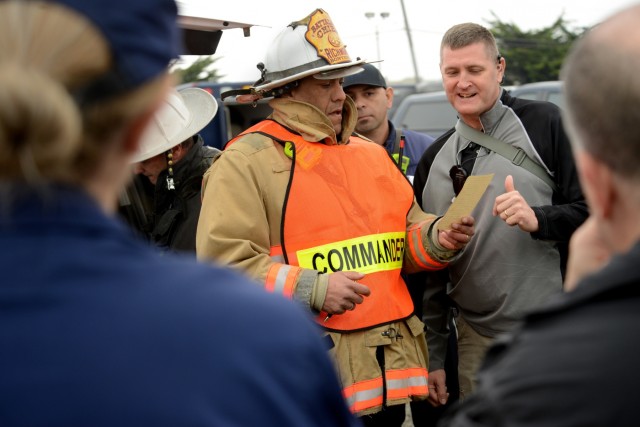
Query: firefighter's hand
pixel 438 394
pixel 459 235
pixel 344 292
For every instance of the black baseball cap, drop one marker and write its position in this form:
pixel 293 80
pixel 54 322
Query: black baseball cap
pixel 370 76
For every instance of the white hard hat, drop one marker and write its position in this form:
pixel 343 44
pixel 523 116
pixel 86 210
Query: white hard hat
pixel 311 46
pixel 183 115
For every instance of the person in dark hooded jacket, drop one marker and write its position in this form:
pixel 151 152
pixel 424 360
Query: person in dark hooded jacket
pixel 164 197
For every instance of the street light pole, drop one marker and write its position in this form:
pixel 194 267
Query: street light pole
pixel 383 15
pixel 413 54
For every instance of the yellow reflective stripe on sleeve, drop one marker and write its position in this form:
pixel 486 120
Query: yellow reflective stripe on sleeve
pixel 281 279
pixel 366 254
pixel 418 252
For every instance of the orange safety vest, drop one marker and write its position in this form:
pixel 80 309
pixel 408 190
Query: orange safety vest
pixel 345 210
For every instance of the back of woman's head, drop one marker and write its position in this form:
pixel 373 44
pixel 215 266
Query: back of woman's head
pixel 70 81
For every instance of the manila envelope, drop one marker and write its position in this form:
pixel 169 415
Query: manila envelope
pixel 464 203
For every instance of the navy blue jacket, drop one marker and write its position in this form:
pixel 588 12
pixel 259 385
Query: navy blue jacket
pixel 97 329
pixel 574 362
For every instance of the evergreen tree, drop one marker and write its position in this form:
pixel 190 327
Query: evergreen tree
pixel 201 70
pixel 534 55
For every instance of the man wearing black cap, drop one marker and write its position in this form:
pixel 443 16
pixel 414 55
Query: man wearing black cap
pixel 97 329
pixel 374 99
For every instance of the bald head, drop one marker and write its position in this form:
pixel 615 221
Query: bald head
pixel 602 89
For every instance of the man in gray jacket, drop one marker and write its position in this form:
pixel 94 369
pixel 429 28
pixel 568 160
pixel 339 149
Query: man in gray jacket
pixel 574 361
pixel 514 263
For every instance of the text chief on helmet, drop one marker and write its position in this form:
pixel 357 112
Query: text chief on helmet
pixel 307 47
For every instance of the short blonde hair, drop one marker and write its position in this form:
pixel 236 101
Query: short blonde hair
pixel 463 35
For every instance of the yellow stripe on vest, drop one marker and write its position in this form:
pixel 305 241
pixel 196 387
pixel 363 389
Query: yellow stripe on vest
pixel 366 254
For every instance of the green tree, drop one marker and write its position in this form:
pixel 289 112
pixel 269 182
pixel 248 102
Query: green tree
pixel 534 55
pixel 201 70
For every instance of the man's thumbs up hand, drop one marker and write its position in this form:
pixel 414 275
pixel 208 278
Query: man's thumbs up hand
pixel 508 184
pixel 513 209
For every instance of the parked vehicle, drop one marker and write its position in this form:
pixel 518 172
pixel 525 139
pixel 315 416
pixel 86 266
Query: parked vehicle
pixel 542 91
pixel 232 117
pixel 429 113
pixel 400 92
pixel 201 37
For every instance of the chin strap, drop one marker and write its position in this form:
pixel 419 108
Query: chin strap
pixel 251 95
pixel 237 92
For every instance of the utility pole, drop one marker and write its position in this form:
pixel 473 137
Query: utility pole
pixel 413 54
pixel 372 15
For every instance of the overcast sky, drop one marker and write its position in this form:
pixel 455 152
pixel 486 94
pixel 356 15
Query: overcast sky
pixel 428 20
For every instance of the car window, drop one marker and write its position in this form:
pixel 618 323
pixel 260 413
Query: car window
pixel 433 117
pixel 527 95
pixel 400 92
pixel 557 99
pixel 542 91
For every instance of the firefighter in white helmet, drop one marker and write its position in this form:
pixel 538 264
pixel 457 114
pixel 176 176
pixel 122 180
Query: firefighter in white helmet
pixel 163 200
pixel 325 218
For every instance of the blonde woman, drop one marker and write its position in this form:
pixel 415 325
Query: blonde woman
pixel 97 329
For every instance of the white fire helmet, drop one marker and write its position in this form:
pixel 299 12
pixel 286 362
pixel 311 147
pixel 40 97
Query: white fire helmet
pixel 182 115
pixel 311 46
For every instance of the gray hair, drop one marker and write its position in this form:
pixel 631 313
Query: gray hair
pixel 602 90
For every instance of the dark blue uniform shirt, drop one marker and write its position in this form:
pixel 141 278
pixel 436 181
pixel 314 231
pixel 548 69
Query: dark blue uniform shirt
pixel 97 329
